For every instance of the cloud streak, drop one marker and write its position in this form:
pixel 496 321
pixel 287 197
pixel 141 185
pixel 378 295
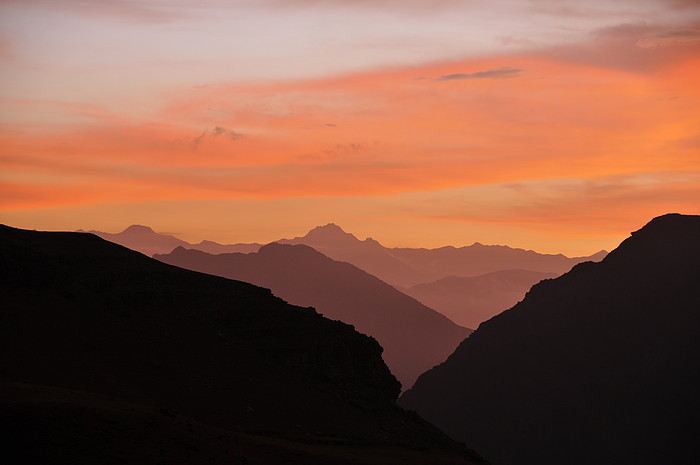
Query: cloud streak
pixel 670 38
pixel 504 72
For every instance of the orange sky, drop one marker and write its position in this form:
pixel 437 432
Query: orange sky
pixel 562 146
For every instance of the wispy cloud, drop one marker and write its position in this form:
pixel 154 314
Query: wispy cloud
pixel 222 131
pixel 499 73
pixel 670 37
pixel 136 10
pixel 218 131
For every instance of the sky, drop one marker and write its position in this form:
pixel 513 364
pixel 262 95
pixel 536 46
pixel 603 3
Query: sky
pixel 558 126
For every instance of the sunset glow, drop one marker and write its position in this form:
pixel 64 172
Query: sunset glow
pixel 555 126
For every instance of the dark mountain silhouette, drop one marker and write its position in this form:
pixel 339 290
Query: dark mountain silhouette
pixel 107 356
pixel 143 239
pixel 404 267
pixel 470 300
pixel 414 337
pixel 600 365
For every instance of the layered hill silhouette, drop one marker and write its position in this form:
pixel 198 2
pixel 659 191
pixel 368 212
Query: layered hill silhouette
pixel 414 337
pixel 400 267
pixel 147 241
pixel 600 365
pixel 108 356
pixel 470 300
pixel 404 267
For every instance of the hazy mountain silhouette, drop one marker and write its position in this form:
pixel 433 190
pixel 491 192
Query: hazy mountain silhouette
pixel 600 365
pixel 414 337
pixel 470 300
pixel 400 267
pixel 108 356
pixel 149 242
pixel 404 267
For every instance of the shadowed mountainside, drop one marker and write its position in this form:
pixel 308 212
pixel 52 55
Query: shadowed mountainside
pixel 404 267
pixel 468 301
pixel 149 242
pixel 600 365
pixel 414 337
pixel 109 356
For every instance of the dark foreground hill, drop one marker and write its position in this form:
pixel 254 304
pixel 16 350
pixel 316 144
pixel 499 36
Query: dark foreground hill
pixel 415 338
pixel 107 356
pixel 601 365
pixel 470 300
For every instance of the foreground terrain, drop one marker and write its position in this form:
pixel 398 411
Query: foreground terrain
pixel 109 356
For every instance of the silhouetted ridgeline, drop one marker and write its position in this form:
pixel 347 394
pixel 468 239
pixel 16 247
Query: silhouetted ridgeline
pixel 598 366
pixel 469 301
pixel 149 242
pixel 415 338
pixel 401 267
pixel 405 267
pixel 108 356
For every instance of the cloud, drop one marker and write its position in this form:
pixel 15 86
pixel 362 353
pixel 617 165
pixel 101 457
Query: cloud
pixel 216 132
pixel 219 131
pixel 625 32
pixel 500 73
pixel 138 10
pixel 670 37
pixel 393 5
pixel 198 140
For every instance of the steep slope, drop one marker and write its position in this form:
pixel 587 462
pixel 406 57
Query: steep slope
pixel 414 337
pixel 145 240
pixel 404 267
pixel 88 327
pixel 600 365
pixel 468 301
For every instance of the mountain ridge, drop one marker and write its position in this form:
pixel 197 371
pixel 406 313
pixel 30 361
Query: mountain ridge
pixel 414 337
pixel 398 266
pixel 598 365
pixel 469 301
pixel 83 318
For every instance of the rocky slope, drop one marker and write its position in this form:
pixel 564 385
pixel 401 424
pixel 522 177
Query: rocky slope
pixel 597 366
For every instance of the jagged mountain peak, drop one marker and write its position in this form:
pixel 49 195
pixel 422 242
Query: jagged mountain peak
pixel 330 231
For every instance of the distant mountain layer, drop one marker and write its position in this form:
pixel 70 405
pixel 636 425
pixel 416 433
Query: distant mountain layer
pixel 108 356
pixel 472 300
pixel 401 267
pixel 404 267
pixel 149 242
pixel 600 365
pixel 414 337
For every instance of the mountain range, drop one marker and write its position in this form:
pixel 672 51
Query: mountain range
pixel 147 241
pixel 414 337
pixel 432 276
pixel 401 267
pixel 470 300
pixel 108 356
pixel 600 365
pixel 404 267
